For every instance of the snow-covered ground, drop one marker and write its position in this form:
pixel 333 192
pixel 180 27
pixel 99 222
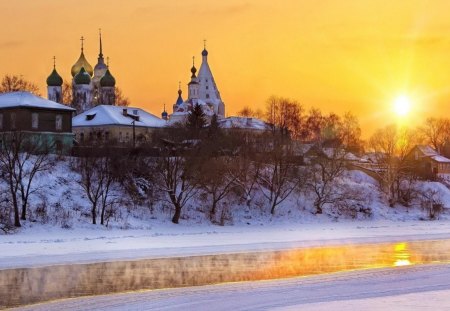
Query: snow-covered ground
pixel 406 288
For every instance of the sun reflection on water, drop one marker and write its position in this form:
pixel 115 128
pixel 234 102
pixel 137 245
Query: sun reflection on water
pixel 402 255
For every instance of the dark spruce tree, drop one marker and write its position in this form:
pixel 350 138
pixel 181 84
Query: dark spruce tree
pixel 196 120
pixel 213 130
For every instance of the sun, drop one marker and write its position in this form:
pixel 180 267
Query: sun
pixel 402 105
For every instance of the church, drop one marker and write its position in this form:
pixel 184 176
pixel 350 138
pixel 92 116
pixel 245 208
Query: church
pixel 90 86
pixel 202 90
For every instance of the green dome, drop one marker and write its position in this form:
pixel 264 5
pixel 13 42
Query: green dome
pixel 108 80
pixel 82 77
pixel 54 79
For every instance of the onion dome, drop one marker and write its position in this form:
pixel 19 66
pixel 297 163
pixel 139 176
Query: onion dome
pixel 82 62
pixel 204 52
pixel 54 79
pixel 179 99
pixel 82 77
pixel 108 80
pixel 164 115
pixel 193 70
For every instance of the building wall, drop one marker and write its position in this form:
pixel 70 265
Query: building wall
pixel 46 120
pixel 115 134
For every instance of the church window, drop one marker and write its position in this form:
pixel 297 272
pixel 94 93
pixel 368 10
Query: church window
pixel 58 122
pixel 13 120
pixel 207 95
pixel 1 121
pixel 34 120
pixel 207 87
pixel 206 80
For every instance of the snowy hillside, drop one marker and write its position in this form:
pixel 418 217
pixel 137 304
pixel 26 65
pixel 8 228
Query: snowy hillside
pixel 60 202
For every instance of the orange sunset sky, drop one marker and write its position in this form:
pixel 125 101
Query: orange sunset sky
pixel 336 55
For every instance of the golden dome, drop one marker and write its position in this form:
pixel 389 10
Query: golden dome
pixel 82 63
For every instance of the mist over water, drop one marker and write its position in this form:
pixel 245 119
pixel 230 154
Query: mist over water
pixel 30 285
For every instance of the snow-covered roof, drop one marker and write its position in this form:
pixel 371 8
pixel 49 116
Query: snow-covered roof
pixel 114 115
pixel 29 100
pixel 427 150
pixel 441 159
pixel 244 123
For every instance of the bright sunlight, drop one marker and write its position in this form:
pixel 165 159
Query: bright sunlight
pixel 402 106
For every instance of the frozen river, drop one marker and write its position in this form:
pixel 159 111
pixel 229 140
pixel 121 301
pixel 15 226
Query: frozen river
pixel 417 287
pixel 41 283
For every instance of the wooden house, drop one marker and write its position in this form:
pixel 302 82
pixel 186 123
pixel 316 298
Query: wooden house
pixel 42 121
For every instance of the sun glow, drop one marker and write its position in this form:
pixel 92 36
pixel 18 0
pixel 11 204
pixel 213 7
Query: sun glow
pixel 402 106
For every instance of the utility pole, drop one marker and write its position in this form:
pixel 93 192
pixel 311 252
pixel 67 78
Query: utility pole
pixel 134 134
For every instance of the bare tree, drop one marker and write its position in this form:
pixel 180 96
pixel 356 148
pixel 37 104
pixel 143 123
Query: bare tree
pixel 248 112
pixel 97 178
pixel 285 115
pixel 14 83
pixel 436 132
pixel 390 147
pixel 276 178
pixel 311 130
pixel 175 179
pixel 323 174
pixel 216 179
pixel 21 158
pixel 121 100
pixel 67 95
pixel 350 132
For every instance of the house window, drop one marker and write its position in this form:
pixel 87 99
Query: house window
pixel 13 120
pixel 58 122
pixel 34 120
pixel 82 137
pixel 1 121
pixel 120 137
pixel 106 136
pixel 127 137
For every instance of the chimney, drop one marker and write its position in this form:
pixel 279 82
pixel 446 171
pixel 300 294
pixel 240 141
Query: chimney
pixel 124 112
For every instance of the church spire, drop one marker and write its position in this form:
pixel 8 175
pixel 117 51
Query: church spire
pixel 100 55
pixel 204 52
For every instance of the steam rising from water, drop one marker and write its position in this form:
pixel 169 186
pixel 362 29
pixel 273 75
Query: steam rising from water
pixel 31 285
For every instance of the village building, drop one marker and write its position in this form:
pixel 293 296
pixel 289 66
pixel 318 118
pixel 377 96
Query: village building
pixel 45 122
pixel 427 162
pixel 116 125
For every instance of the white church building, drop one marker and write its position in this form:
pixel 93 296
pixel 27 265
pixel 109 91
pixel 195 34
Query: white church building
pixel 202 90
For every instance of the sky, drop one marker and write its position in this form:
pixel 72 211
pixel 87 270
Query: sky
pixel 335 55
